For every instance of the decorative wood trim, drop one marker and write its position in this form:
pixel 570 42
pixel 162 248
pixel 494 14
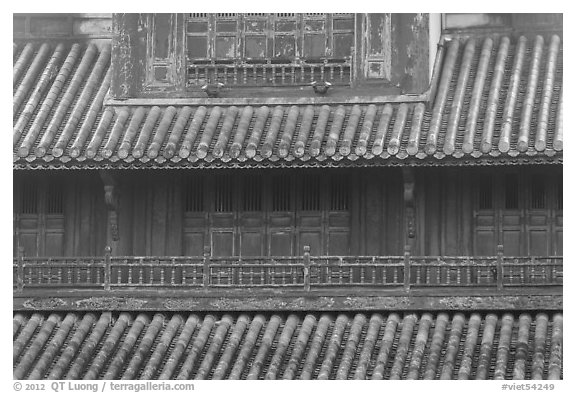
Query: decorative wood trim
pixel 306 301
pixel 111 199
pixel 409 203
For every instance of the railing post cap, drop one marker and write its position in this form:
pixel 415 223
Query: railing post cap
pixel 107 249
pixel 500 248
pixel 306 248
pixel 407 248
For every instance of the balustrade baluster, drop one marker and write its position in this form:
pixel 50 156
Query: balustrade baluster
pixel 173 273
pixel 69 275
pixel 418 273
pixel 395 274
pixel 458 275
pixel 59 274
pixel 162 273
pixel 130 274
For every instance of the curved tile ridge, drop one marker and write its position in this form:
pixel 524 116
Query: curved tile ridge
pixel 419 346
pixel 20 65
pixel 465 370
pixel 375 323
pixel 530 95
pixel 232 346
pixel 39 90
pixel 210 357
pixel 441 96
pixel 352 344
pixel 116 364
pixel 456 328
pixel 74 345
pixel 89 121
pixel 88 348
pixel 47 104
pixel 159 353
pixel 333 347
pixel 283 343
pixel 555 364
pixel 247 347
pixel 548 89
pixel 392 323
pixel 179 349
pixel 143 350
pixel 53 347
pixel 25 335
pixel 95 82
pixel 403 349
pixel 458 100
pixel 475 102
pixel 507 322
pixel 197 346
pixel 494 95
pixel 110 346
pixel 485 356
pixel 558 142
pixel 30 77
pixel 299 347
pixel 522 350
pixel 514 86
pixel 35 348
pixel 264 349
pixel 315 347
pixel 436 346
pixel 66 101
pixel 144 345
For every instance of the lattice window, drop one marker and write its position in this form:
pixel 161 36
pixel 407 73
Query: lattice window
pixel 485 192
pixel 511 191
pixel 281 193
pixel 54 199
pixel 269 49
pixel 310 193
pixel 223 193
pixel 339 193
pixel 538 192
pixel 194 194
pixel 29 198
pixel 252 193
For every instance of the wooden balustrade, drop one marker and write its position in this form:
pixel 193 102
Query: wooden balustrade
pixel 302 272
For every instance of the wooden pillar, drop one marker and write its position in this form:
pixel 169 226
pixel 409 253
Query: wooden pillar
pixel 111 199
pixel 409 207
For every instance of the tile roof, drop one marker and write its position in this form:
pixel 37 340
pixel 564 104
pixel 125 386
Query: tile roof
pixel 291 346
pixel 495 97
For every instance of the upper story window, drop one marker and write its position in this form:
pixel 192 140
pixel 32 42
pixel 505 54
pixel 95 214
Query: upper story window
pixel 265 55
pixel 269 49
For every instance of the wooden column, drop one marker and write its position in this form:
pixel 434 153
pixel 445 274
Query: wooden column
pixel 111 199
pixel 409 207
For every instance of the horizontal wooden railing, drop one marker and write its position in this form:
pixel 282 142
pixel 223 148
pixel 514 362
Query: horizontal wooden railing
pixel 302 272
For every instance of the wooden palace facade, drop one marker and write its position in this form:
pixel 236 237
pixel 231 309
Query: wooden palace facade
pixel 276 163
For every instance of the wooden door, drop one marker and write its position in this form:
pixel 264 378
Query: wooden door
pixel 39 216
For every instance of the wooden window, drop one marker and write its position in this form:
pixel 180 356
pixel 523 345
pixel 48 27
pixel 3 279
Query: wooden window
pixel 252 193
pixel 29 198
pixel 281 200
pixel 54 199
pixel 310 193
pixel 283 49
pixel 485 192
pixel 538 192
pixel 161 47
pixel 511 194
pixel 223 193
pixel 194 194
pixel 339 193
